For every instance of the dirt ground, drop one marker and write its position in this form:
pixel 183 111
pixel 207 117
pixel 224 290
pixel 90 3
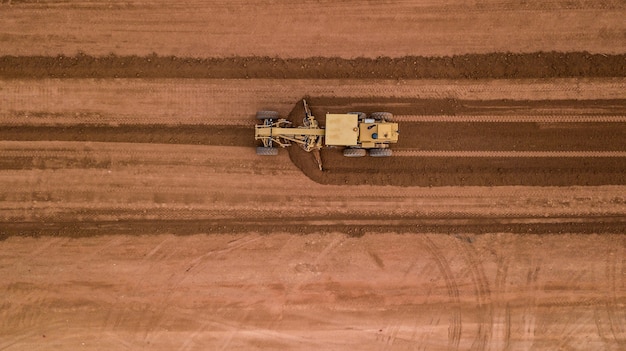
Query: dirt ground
pixel 295 28
pixel 284 291
pixel 135 214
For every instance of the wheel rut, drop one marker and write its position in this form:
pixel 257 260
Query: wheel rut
pixel 482 291
pixel 455 329
pixel 508 154
pixel 491 65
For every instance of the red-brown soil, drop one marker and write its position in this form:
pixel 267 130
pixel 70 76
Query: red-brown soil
pixel 135 214
pixel 426 171
pixel 469 66
pixel 330 291
pixel 302 29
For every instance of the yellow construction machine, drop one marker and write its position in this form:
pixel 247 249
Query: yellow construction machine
pixel 358 133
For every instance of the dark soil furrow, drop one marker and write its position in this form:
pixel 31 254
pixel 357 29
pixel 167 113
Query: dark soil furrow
pixel 302 226
pixel 474 171
pixel 493 65
pixel 129 133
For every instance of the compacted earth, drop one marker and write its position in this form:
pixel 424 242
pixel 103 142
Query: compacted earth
pixel 135 214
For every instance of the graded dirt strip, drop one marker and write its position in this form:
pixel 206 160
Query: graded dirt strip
pixel 295 28
pixel 235 101
pixel 551 118
pixel 382 291
pixel 76 188
pixel 507 154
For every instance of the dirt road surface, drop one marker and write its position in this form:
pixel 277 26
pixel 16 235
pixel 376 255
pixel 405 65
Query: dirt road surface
pixel 135 214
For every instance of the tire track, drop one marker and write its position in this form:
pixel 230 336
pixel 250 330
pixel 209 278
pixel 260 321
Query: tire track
pixel 27 316
pixel 529 315
pixel 616 317
pixel 282 254
pixel 455 328
pixel 221 325
pixel 118 311
pixel 567 343
pixel 28 305
pixel 158 318
pixel 233 332
pixel 509 154
pixel 601 321
pixel 139 319
pixel 391 333
pixel 48 245
pixel 502 319
pixel 316 262
pixel 509 119
pixel 55 121
pixel 29 308
pixel 8 343
pixel 483 295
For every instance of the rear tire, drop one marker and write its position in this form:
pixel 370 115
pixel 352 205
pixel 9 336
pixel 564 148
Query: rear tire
pixel 382 116
pixel 354 152
pixel 267 115
pixel 266 151
pixel 380 152
pixel 361 115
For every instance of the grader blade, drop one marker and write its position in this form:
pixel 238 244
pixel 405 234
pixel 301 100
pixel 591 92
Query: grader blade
pixel 318 158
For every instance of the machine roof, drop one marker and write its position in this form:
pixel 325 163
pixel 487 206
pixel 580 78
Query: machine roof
pixel 342 129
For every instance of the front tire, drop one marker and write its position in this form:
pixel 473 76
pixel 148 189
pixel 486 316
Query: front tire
pixel 267 115
pixel 354 152
pixel 380 152
pixel 362 115
pixel 382 116
pixel 266 151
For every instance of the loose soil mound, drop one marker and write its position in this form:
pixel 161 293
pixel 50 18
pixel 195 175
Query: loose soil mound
pixel 495 65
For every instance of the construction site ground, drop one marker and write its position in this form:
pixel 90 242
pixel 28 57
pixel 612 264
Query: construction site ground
pixel 135 214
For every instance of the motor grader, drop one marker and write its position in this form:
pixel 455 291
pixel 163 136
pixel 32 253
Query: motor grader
pixel 358 133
